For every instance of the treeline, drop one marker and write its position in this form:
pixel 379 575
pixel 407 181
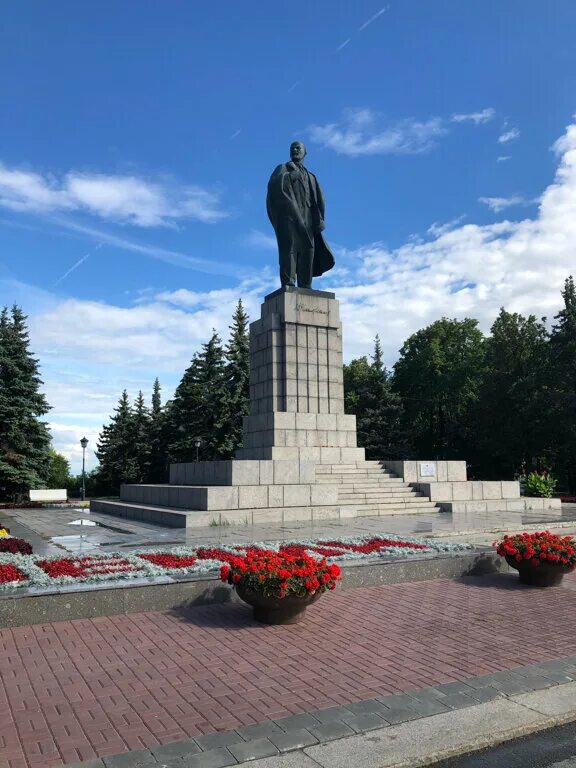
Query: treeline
pixel 502 402
pixel 203 420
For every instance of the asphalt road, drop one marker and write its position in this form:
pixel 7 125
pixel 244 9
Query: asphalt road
pixel 555 748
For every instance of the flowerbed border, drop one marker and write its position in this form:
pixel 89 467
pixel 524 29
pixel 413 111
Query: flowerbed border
pixel 114 567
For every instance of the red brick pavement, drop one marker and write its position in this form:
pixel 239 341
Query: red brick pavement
pixel 74 690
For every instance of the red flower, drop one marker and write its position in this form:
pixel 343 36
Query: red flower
pixel 224 572
pixel 168 560
pixel 10 573
pixel 539 547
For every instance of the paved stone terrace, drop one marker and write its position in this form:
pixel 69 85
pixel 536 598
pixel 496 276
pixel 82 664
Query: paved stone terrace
pixel 50 530
pixel 72 691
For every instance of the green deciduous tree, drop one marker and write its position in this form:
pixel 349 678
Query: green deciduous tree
pixel 562 402
pixel 438 376
pixel 24 438
pixel 379 413
pixel 511 418
pixel 58 471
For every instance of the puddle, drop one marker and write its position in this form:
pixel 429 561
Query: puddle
pixel 153 544
pixel 70 538
pixel 85 522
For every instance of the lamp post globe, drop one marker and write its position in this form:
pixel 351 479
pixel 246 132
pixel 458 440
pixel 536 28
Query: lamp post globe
pixel 83 443
pixel 197 443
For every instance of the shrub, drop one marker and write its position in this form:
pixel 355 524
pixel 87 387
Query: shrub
pixel 540 484
pixel 15 546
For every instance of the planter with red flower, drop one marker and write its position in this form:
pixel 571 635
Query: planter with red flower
pixel 541 559
pixel 279 585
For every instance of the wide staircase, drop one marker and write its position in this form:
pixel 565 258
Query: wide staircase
pixel 372 490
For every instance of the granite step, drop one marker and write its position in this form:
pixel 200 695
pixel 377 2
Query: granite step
pixel 386 500
pixel 382 511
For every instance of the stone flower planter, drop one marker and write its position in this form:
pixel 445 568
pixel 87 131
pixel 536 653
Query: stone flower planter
pixel 276 610
pixel 543 575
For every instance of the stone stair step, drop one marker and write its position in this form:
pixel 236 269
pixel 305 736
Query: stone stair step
pixel 358 478
pixel 389 511
pixel 390 501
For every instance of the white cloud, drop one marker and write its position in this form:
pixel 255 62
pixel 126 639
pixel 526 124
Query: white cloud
pixel 66 440
pixel 503 158
pixel 498 204
pixel 508 135
pixel 437 229
pixel 90 351
pixel 484 116
pixel 122 199
pixel 364 132
pixel 471 270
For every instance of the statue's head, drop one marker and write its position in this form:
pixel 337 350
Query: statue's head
pixel 297 151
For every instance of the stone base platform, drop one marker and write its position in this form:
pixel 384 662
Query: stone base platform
pixel 262 492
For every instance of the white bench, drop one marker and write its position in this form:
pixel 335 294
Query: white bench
pixel 49 494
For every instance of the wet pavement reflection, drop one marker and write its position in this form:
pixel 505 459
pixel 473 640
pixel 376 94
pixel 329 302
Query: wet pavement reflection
pixel 78 531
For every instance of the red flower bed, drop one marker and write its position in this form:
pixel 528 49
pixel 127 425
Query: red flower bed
pixel 15 546
pixel 169 561
pixel 300 549
pixel 81 567
pixel 538 548
pixel 214 553
pixel 10 573
pixel 374 545
pixel 278 574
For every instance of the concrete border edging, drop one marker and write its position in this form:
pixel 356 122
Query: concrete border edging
pixel 422 727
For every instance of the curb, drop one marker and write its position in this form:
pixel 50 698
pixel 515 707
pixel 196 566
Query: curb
pixel 43 605
pixel 419 728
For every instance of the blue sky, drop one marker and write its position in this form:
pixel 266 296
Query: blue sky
pixel 138 138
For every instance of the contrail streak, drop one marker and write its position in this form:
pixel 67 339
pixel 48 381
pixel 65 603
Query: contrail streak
pixel 373 18
pixel 77 264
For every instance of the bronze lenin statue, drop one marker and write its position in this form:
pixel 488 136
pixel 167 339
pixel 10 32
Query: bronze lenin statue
pixel 295 206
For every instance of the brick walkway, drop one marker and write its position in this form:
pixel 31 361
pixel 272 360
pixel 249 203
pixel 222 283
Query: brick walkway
pixel 75 690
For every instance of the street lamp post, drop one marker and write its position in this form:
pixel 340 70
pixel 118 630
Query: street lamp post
pixel 83 443
pixel 197 443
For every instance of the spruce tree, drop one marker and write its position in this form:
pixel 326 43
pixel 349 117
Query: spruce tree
pixel 237 379
pixel 198 410
pixel 157 472
pixel 115 448
pixel 141 425
pixel 24 438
